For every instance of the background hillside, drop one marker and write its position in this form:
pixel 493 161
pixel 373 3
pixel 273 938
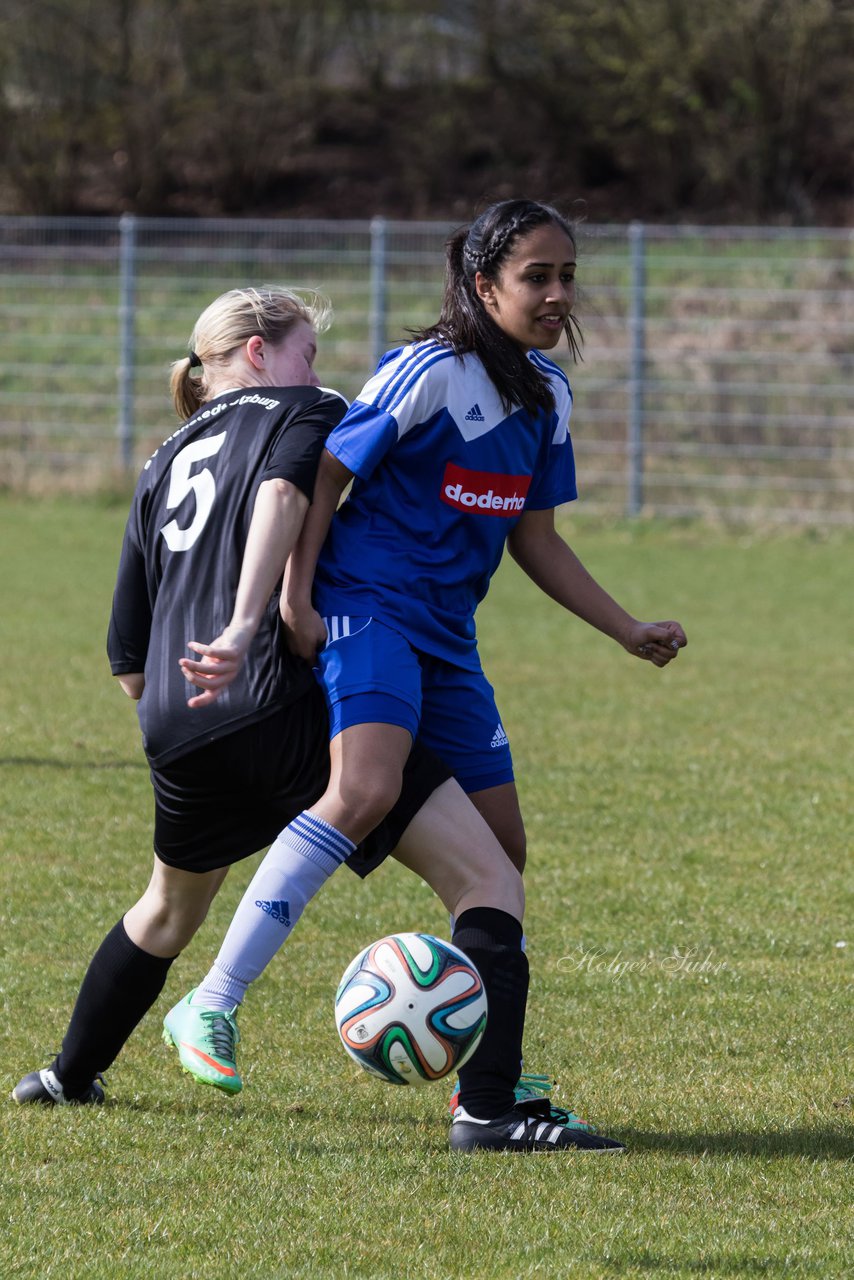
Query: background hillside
pixel 660 109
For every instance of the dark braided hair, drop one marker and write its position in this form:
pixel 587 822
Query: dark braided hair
pixel 465 325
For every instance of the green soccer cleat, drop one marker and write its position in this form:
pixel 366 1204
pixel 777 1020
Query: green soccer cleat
pixel 206 1040
pixel 532 1088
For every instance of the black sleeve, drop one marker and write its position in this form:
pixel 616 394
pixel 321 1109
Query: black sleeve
pixel 295 452
pixel 130 619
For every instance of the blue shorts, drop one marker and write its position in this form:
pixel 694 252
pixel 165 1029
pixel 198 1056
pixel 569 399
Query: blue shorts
pixel 371 674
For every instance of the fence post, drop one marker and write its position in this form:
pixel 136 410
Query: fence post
pixel 127 335
pixel 378 288
pixel 637 370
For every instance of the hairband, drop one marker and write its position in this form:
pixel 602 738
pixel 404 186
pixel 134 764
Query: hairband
pixel 195 362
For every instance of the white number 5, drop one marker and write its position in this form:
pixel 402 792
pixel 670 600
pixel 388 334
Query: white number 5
pixel 202 484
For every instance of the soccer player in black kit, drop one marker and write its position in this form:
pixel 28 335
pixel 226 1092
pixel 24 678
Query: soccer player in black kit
pixel 230 775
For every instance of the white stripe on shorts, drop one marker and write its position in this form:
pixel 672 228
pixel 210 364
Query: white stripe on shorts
pixel 337 628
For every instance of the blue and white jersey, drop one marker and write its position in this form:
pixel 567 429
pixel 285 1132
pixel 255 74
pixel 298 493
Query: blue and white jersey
pixel 442 476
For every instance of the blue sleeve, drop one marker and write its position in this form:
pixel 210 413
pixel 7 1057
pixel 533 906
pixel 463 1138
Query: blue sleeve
pixel 362 438
pixel 554 482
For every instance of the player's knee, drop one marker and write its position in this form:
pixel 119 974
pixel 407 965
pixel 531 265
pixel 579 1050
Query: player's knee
pixel 367 799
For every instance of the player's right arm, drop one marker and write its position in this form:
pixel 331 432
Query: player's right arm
pixel 277 519
pixel 130 617
pixel 400 395
pixel 283 496
pixel 306 630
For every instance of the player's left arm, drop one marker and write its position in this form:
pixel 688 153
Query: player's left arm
pixel 133 684
pixel 542 554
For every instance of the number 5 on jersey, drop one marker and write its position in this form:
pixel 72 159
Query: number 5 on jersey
pixel 202 484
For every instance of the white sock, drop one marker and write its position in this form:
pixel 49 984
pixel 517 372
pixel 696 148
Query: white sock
pixel 294 870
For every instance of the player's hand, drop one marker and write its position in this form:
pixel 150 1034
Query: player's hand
pixel 305 630
pixel 656 642
pixel 217 665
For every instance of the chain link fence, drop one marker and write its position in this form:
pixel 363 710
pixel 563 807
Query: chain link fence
pixel 716 378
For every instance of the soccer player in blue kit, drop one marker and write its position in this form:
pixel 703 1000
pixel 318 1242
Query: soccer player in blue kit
pixel 458 446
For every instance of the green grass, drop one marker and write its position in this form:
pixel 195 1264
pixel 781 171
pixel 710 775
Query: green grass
pixel 694 817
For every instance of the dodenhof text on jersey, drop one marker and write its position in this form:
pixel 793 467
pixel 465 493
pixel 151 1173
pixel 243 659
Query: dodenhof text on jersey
pixel 485 491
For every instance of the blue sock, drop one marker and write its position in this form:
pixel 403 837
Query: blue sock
pixel 296 867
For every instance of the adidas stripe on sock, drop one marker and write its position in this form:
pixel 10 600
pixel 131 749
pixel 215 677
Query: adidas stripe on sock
pixel 296 867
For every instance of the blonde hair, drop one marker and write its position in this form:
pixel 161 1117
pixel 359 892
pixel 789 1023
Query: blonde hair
pixel 232 319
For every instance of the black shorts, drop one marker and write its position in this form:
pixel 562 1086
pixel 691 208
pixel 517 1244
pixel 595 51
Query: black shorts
pixel 230 798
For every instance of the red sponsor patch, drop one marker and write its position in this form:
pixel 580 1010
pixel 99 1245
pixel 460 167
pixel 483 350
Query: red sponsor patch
pixel 484 491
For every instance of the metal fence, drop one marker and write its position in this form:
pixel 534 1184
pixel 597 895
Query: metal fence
pixel 717 363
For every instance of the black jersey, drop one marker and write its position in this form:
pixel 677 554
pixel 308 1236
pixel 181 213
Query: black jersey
pixel 182 554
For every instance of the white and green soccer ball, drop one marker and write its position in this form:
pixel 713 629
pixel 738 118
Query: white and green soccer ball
pixel 410 1008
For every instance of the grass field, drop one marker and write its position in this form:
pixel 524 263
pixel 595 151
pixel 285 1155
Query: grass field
pixel 690 895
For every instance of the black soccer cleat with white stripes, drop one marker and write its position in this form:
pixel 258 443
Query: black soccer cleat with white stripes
pixel 530 1127
pixel 45 1089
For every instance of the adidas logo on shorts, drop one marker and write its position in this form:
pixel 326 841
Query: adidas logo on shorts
pixel 277 910
pixel 499 738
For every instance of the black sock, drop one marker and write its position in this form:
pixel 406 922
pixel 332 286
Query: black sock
pixel 493 941
pixel 120 986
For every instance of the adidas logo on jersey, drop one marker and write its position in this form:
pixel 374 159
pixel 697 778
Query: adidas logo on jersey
pixel 499 738
pixel 474 414
pixel 276 910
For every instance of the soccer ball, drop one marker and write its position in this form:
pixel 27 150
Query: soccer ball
pixel 410 1008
